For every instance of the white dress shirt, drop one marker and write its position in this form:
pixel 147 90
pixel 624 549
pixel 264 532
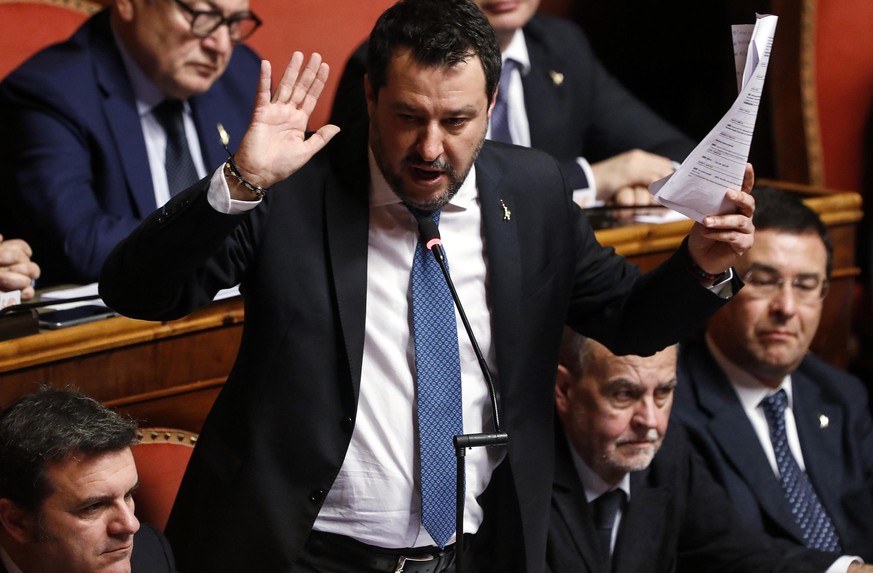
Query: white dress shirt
pixel 375 498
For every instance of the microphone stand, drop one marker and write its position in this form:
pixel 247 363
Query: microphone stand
pixel 431 237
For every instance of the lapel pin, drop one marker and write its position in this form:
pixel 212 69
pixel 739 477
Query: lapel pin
pixel 223 135
pixel 507 214
pixel 557 77
pixel 823 421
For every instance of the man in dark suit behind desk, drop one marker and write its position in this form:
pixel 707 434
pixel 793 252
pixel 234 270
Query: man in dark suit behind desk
pixel 755 357
pixel 560 99
pixel 83 146
pixel 67 483
pixel 669 512
pixel 309 458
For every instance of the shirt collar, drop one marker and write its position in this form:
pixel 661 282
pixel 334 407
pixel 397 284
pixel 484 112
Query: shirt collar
pixel 593 484
pixel 749 389
pixel 382 195
pixel 517 50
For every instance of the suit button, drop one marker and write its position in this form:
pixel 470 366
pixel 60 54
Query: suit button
pixel 348 424
pixel 317 495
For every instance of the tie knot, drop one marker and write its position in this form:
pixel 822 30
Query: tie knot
pixel 505 76
pixel 775 404
pixel 506 72
pixel 606 507
pixel 422 214
pixel 169 112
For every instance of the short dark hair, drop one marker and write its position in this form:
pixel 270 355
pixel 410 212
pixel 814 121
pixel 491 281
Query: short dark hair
pixel 780 210
pixel 437 33
pixel 47 427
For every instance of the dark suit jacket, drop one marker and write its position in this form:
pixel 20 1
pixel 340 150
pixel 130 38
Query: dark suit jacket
pixel 73 154
pixel 677 519
pixel 839 457
pixel 278 432
pixel 151 552
pixel 589 114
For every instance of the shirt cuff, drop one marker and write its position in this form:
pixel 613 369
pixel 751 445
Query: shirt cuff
pixel 841 565
pixel 586 196
pixel 218 196
pixel 725 288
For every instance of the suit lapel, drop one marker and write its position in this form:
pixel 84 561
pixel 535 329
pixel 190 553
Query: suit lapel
pixel 347 219
pixel 732 430
pixel 542 94
pixel 502 256
pixel 571 508
pixel 641 530
pixel 123 118
pixel 207 112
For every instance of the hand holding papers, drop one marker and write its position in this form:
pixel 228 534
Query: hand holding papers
pixel 698 187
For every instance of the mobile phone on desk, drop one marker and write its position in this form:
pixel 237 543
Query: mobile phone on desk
pixel 55 319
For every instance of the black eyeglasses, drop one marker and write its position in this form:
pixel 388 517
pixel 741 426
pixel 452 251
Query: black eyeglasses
pixel 204 22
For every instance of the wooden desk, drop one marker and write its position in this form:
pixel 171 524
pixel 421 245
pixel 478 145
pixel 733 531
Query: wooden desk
pixel 169 373
pixel 165 374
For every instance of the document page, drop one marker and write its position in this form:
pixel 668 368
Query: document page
pixel 697 188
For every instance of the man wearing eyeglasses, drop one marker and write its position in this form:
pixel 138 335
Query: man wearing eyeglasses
pixel 105 127
pixel 789 436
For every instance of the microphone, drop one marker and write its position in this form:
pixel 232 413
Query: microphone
pixel 430 236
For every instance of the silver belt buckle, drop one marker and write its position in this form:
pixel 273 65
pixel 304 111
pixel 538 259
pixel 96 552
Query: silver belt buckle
pixel 401 561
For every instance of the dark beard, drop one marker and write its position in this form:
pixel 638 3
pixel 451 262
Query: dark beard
pixel 395 182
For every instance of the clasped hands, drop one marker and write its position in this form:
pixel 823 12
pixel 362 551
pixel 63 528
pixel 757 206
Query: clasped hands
pixel 17 271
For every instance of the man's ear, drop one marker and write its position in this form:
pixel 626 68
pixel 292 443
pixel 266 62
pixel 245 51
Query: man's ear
pixel 124 9
pixel 563 388
pixel 17 522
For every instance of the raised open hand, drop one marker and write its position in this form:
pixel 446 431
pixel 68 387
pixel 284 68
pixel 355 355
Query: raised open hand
pixel 275 144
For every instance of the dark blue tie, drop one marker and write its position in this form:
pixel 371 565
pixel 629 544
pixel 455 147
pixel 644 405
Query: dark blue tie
pixel 605 509
pixel 181 172
pixel 438 383
pixel 500 113
pixel 817 528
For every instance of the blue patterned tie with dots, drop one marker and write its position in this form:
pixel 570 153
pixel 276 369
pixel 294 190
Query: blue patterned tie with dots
pixel 818 530
pixel 438 383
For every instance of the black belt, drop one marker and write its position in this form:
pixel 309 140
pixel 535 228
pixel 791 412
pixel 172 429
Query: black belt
pixel 413 560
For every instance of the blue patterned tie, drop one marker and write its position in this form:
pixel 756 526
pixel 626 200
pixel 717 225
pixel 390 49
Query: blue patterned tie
pixel 818 530
pixel 181 172
pixel 500 113
pixel 438 380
